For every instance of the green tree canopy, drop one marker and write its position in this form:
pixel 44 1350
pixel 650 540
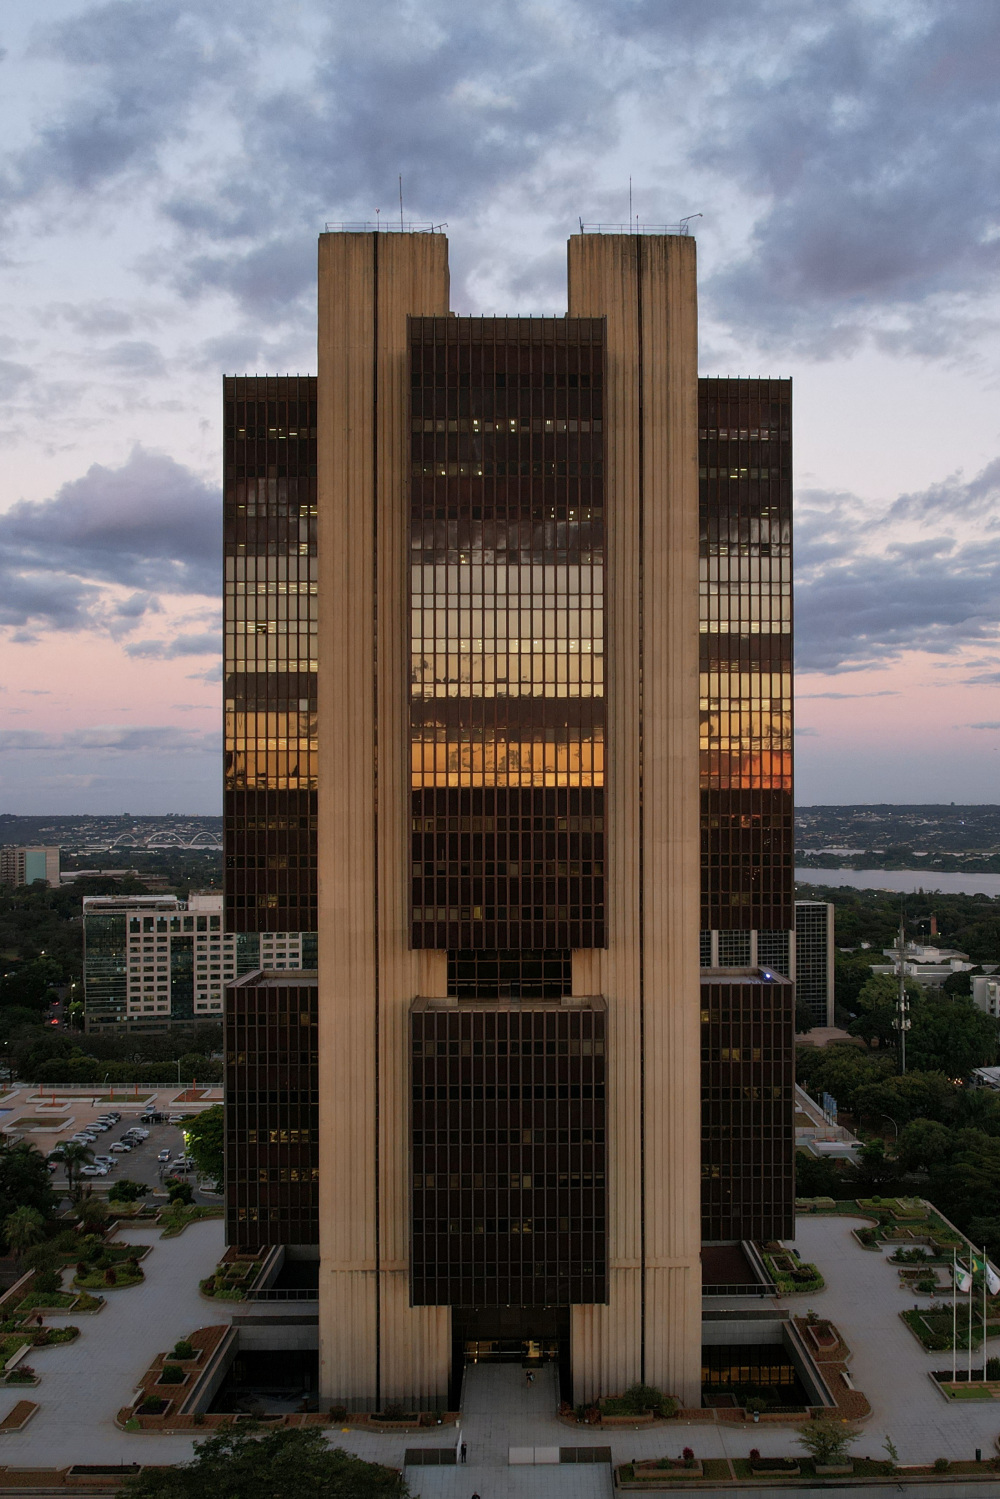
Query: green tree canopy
pixel 239 1462
pixel 22 1228
pixel 205 1137
pixel 24 1180
pixel 917 1095
pixel 949 1033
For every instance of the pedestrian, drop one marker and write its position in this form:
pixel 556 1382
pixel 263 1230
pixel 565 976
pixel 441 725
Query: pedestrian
pixel 463 1452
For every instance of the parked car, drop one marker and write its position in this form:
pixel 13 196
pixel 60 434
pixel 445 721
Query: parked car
pixel 93 1170
pixel 180 1165
pixel 176 1118
pixel 164 1155
pixel 120 1147
pixel 104 1160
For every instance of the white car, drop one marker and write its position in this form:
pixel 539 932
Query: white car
pixel 120 1147
pixel 164 1155
pixel 180 1165
pixel 105 1160
pixel 93 1171
pixel 176 1118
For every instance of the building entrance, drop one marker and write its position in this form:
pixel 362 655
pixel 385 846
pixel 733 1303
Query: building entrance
pixel 530 1336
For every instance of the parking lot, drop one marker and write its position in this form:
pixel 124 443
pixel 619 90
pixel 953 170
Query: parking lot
pixel 140 1163
pixel 48 1119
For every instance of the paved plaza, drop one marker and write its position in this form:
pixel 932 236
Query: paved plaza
pixel 84 1384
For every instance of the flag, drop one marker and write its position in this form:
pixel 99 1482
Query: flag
pixel 963 1281
pixel 983 1267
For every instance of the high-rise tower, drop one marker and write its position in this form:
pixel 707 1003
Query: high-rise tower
pixel 509 1031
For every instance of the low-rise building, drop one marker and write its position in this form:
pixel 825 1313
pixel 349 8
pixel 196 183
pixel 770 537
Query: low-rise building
pixel 929 966
pixel 151 962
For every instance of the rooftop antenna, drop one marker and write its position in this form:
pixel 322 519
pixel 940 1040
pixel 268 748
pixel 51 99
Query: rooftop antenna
pixel 377 219
pixel 630 205
pixel 683 225
pixel 901 1023
pixel 400 200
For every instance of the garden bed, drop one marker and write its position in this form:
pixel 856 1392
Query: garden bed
pixel 18 1418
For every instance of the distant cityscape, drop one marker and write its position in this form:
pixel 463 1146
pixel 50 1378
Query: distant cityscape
pixel 943 837
pixel 946 835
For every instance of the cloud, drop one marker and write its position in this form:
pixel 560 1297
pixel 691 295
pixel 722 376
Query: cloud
pixel 149 524
pixel 135 357
pixel 864 594
pixel 167 739
pixel 802 733
pixel 839 697
pixel 867 141
pixel 208 644
pixel 983 725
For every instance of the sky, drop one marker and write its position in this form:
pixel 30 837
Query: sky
pixel 168 165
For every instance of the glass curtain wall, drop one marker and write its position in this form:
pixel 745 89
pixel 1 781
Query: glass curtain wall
pixel 270 653
pixel 507 594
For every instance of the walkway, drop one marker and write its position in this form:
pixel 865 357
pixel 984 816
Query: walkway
pixel 502 1410
pixel 85 1382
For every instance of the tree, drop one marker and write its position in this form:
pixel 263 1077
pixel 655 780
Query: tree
pixel 873 1169
pixel 951 1035
pixel 917 1095
pixel 851 971
pixel 876 1007
pixel 24 1179
pixel 241 1462
pixel 923 1144
pixel 127 1190
pixel 828 1440
pixel 22 1228
pixel 75 1155
pixel 205 1139
pixel 804 1017
pixel 816 1177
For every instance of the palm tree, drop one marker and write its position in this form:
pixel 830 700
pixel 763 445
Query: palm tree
pixel 75 1155
pixel 22 1229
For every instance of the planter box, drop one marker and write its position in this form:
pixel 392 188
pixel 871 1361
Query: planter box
pixel 172 1384
pixel 646 1472
pixel 775 1467
pixel 18 1418
pixel 834 1470
pixel 150 1416
pixel 646 1419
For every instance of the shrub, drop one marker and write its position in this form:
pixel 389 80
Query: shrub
pixel 828 1440
pixel 199 1418
pixel 755 1454
pixel 941 1465
pixel 153 1405
pixel 993 1368
pixel 48 1282
pixel 171 1374
pixel 338 1413
pixel 111 1276
pixel 393 1411
pixel 640 1398
pixel 929 1286
pixel 182 1193
pixel 183 1349
pixel 688 1455
pixel 127 1190
pixel 82 1268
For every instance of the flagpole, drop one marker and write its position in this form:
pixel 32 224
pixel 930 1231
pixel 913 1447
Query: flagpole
pixel 985 1278
pixel 972 1285
pixel 954 1315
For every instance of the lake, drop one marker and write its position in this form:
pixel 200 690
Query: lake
pixel 905 880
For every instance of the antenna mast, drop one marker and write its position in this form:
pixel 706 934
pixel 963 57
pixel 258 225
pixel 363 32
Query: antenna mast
pixel 902 1021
